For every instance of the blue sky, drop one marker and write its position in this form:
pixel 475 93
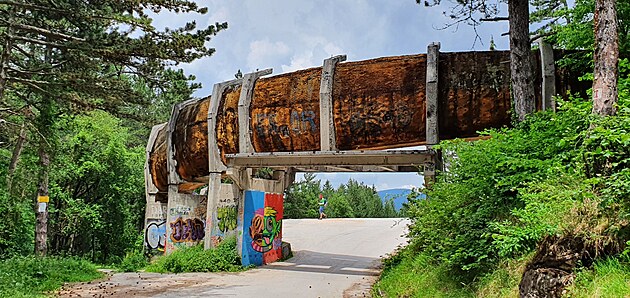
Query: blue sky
pixel 287 35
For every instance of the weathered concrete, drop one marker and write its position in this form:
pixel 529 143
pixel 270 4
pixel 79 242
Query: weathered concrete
pixel 332 258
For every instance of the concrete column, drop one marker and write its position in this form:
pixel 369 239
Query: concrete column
pixel 245 99
pixel 155 212
pixel 215 166
pixel 432 129
pixel 548 68
pixel 432 110
pixel 327 132
pixel 185 221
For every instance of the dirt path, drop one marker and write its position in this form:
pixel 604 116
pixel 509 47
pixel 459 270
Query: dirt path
pixel 332 258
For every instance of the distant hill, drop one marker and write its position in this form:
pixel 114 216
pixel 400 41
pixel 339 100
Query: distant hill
pixel 398 194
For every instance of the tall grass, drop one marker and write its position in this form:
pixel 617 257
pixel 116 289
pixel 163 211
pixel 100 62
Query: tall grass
pixel 607 278
pixel 417 276
pixel 32 277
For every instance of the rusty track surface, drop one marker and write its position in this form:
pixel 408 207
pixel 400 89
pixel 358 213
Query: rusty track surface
pixel 377 103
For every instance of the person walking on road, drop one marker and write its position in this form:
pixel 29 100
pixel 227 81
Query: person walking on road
pixel 322 204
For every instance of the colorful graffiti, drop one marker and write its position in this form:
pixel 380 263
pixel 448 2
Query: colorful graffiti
pixel 155 236
pixel 187 230
pixel 264 229
pixel 262 237
pixel 226 217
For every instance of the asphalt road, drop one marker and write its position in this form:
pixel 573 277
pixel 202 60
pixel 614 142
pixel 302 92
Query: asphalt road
pixel 332 258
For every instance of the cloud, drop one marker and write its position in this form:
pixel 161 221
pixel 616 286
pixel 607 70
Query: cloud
pixel 265 52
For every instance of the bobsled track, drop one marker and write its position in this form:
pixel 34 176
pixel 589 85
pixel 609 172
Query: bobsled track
pixel 338 117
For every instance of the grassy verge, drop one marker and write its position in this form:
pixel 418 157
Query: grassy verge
pixel 32 277
pixel 417 276
pixel 607 278
pixel 420 276
pixel 196 259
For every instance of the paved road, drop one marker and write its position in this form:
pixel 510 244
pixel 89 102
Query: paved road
pixel 332 258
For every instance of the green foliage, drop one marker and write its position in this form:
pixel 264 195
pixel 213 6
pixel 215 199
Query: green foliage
pixel 133 261
pixel 353 199
pixel 607 278
pixel 417 276
pixel 195 259
pixel 30 276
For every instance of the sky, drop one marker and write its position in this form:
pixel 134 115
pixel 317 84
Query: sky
pixel 288 35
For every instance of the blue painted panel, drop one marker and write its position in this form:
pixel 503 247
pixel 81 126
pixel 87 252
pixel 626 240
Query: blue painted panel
pixel 254 201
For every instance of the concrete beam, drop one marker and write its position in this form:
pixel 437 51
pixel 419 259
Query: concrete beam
pixel 432 110
pixel 327 135
pixel 244 101
pixel 214 156
pixel 548 68
pixel 330 158
pixel 432 124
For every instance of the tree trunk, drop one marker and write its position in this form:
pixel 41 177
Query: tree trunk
pixel 5 56
pixel 606 58
pixel 41 225
pixel 16 155
pixel 521 59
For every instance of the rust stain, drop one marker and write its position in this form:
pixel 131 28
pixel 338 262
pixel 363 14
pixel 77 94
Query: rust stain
pixel 379 102
pixel 227 122
pixel 474 92
pixel 190 140
pixel 285 112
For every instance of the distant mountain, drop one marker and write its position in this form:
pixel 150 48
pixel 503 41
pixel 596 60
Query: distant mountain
pixel 398 194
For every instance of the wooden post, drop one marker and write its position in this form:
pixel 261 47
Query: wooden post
pixel 328 141
pixel 548 67
pixel 431 104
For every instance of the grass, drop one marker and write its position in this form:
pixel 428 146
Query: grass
pixel 195 259
pixel 418 276
pixel 33 277
pixel 607 278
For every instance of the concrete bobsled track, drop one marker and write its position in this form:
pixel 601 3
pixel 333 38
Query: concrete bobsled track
pixel 337 117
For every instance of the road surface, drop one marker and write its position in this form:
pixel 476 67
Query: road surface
pixel 332 258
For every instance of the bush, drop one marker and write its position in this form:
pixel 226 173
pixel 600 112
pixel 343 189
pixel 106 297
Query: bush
pixel 133 262
pixel 31 276
pixel 195 259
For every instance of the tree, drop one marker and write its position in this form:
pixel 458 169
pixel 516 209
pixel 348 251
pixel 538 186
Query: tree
pixel 474 12
pixel 606 58
pixel 65 57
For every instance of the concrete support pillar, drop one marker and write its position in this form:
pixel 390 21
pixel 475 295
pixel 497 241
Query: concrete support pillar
pixel 548 68
pixel 328 141
pixel 215 169
pixel 432 110
pixel 155 211
pixel 244 101
pixel 186 213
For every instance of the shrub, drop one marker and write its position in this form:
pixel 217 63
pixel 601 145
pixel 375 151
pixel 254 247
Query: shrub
pixel 31 276
pixel 133 261
pixel 195 259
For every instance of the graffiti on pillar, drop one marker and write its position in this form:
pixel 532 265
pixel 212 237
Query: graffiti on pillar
pixel 264 229
pixel 187 230
pixel 262 234
pixel 224 220
pixel 226 216
pixel 155 236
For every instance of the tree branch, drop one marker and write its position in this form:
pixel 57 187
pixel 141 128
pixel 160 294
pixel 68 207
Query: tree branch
pixel 496 19
pixel 44 32
pixel 34 7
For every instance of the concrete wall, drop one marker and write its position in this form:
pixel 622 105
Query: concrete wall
pixel 223 220
pixel 186 221
pixel 262 227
